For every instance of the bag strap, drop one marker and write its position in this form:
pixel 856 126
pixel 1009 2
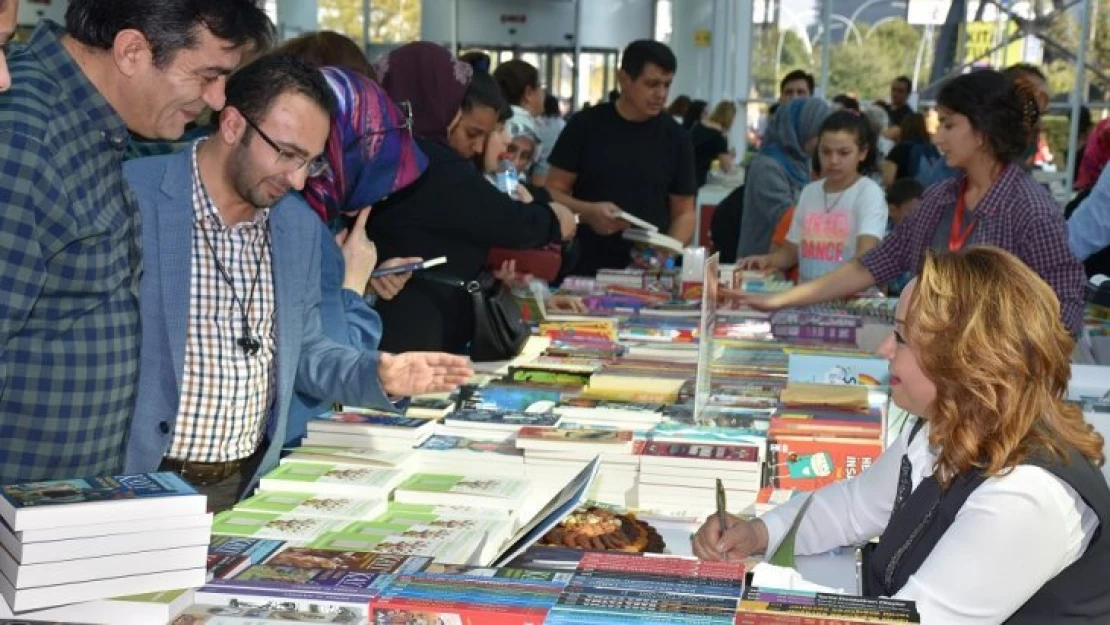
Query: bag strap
pixel 470 287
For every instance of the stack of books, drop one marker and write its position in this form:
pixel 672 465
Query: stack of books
pixel 144 609
pixel 71 541
pixel 619 588
pixel 368 431
pixel 443 454
pixel 681 476
pixel 551 456
pixel 469 599
pixel 767 606
pixel 494 425
pixel 343 480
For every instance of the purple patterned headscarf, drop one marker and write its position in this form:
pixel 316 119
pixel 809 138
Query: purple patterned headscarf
pixel 370 152
pixel 426 75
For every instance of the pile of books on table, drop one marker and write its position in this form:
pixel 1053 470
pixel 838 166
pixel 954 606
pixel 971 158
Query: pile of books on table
pixel 89 542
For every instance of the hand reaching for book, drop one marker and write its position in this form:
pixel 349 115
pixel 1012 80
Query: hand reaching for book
pixel 766 302
pixel 740 540
pixel 420 373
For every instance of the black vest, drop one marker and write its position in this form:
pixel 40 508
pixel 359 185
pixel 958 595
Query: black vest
pixel 1079 594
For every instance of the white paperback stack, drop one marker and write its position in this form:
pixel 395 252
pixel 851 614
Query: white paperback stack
pixel 680 478
pixel 81 540
pixel 378 432
pixel 444 454
pixel 552 456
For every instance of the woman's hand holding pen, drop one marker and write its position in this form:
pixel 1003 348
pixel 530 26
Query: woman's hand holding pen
pixel 740 540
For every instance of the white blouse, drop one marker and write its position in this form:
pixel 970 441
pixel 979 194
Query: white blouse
pixel 1012 535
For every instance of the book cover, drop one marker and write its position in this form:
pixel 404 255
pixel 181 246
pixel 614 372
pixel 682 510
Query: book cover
pixel 374 420
pixel 22 504
pixel 296 578
pixel 359 481
pixel 458 547
pixel 501 419
pixel 810 464
pixel 400 510
pixel 494 451
pixel 474 486
pixel 508 398
pixel 308 558
pixel 246 614
pixel 312 505
pixel 223 567
pixel 330 454
pixel 716 453
pixel 273 526
pixel 593 436
pixel 838 369
pixel 257 549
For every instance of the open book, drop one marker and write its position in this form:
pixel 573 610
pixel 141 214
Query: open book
pixel 654 239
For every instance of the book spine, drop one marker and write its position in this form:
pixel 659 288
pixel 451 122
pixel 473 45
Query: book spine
pixel 827 612
pixel 560 616
pixel 647 602
pixel 619 563
pixel 584 583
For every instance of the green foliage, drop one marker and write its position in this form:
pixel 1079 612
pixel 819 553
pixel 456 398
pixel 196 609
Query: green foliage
pixel 1056 130
pixel 391 21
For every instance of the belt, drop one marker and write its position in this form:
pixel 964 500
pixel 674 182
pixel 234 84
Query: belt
pixel 204 473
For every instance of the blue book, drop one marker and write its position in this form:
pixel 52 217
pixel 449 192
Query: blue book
pixel 499 419
pixel 62 503
pixel 258 550
pixel 838 369
pixel 509 397
pixel 561 616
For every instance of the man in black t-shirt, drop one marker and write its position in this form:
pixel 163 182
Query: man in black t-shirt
pixel 629 156
pixel 900 90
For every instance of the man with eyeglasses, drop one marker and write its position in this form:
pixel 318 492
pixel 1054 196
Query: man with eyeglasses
pixel 230 296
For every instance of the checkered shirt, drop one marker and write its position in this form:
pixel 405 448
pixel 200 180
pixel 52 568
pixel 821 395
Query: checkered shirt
pixel 226 394
pixel 1017 214
pixel 70 262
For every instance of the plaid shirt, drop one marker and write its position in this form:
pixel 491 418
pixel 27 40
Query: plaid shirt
pixel 70 262
pixel 226 394
pixel 1017 214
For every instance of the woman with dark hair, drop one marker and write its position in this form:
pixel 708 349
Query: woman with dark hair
pixel 989 506
pixel 549 126
pixel 329 48
pixel 986 122
pixel 695 113
pixel 776 175
pixel 519 82
pixel 452 210
pixel 914 149
pixel 679 108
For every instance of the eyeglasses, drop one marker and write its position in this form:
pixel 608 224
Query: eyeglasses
pixel 405 125
pixel 314 167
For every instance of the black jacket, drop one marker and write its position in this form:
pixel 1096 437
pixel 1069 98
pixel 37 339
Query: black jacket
pixel 452 211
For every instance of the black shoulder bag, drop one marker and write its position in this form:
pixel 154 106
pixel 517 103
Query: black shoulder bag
pixel 499 328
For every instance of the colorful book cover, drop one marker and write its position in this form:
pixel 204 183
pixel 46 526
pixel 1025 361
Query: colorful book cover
pixel 312 505
pixel 550 377
pixel 501 419
pixel 503 450
pixel 680 567
pixel 838 369
pixel 576 435
pixel 223 567
pixel 295 578
pixel 444 484
pixel 117 487
pixel 270 615
pixel 682 433
pixel 257 549
pixel 273 526
pixel 810 464
pixel 720 453
pixel 379 562
pixel 509 398
pixel 389 421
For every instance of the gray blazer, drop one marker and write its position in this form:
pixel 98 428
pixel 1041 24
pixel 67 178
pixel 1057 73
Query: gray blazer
pixel 306 360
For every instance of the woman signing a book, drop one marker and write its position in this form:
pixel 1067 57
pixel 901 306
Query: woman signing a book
pixel 990 505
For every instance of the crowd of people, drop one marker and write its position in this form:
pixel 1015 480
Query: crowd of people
pixel 191 217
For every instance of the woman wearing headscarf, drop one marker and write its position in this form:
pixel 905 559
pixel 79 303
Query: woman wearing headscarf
pixel 451 211
pixel 776 175
pixel 369 157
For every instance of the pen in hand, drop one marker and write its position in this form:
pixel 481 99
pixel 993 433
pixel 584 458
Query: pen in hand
pixel 722 516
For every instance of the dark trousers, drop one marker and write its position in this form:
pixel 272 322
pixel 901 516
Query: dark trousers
pixel 223 493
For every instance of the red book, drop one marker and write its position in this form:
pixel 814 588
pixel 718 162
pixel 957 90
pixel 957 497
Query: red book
pixel 542 263
pixel 403 610
pixel 810 463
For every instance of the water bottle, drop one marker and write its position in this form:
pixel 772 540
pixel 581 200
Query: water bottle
pixel 507 177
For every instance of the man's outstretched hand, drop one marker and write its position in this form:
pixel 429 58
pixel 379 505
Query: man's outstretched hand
pixel 420 373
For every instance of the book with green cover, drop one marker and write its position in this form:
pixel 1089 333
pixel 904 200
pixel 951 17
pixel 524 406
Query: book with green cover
pixel 321 454
pixel 416 511
pixel 444 489
pixel 289 528
pixel 332 479
pixel 312 505
pixel 455 547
